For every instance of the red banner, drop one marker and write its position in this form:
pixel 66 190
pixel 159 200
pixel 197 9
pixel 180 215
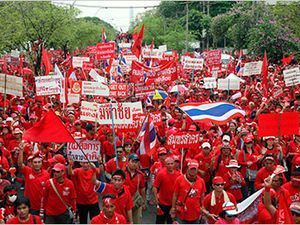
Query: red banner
pixel 75 87
pixel 278 124
pixel 106 50
pixel 141 89
pixel 133 127
pixel 119 90
pixel 92 49
pixel 184 140
pixel 213 57
pixel 163 73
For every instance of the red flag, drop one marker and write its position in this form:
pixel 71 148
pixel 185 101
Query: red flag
pixel 49 129
pixel 264 73
pixel 284 213
pixel 137 45
pixel 46 61
pixel 287 60
pixel 21 64
pixel 135 34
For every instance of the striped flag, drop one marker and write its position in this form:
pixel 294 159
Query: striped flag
pixel 147 137
pixel 218 112
pixel 103 36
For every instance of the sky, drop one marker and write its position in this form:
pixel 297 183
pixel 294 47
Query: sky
pixel 119 18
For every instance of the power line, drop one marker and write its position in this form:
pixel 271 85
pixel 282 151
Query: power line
pixel 107 7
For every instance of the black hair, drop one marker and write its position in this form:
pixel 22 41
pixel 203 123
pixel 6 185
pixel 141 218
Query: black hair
pixel 9 188
pixel 20 201
pixel 119 172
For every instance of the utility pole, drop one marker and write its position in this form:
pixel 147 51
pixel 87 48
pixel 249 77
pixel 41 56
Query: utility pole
pixel 207 37
pixel 186 25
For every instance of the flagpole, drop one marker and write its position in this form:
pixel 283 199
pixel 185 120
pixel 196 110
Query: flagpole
pixel 4 97
pixel 113 130
pixel 140 129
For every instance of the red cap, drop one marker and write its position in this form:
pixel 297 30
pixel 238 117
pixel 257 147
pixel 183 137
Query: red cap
pixel 192 128
pixel 58 167
pixel 248 139
pixel 77 122
pixel 162 150
pixel 59 159
pixel 118 143
pixel 193 164
pixel 218 180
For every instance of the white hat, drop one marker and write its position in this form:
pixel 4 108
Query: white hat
pixel 9 119
pixel 233 163
pixel 206 145
pixel 229 208
pixel 226 138
pixel 268 137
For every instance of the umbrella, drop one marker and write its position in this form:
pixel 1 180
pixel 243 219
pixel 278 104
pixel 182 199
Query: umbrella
pixel 158 95
pixel 178 88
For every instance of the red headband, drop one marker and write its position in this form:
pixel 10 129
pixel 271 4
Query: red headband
pixel 109 201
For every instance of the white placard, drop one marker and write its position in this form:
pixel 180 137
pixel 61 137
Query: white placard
pixel 124 45
pixel 291 76
pixel 122 113
pixel 152 54
pixel 210 82
pixel 73 98
pixel 129 59
pixel 78 61
pixel 48 85
pixel 193 63
pixel 94 88
pixel 93 73
pixel 163 48
pixel 13 86
pixel 89 111
pixel 15 53
pixel 90 148
pixel 252 68
pixel 228 84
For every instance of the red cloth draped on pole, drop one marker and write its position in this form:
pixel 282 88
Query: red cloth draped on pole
pixel 49 129
pixel 287 60
pixel 137 45
pixel 46 61
pixel 284 215
pixel 264 73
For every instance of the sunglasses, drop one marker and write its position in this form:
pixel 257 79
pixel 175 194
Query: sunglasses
pixel 230 216
pixel 219 184
pixel 119 151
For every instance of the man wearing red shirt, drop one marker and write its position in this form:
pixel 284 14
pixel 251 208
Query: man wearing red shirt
pixel 157 166
pixel 222 160
pixel 163 189
pixel 87 198
pixel 264 172
pixel 212 203
pixel 108 214
pixel 108 147
pixel 188 195
pixel 35 179
pixel 293 187
pixel 124 202
pixel 56 210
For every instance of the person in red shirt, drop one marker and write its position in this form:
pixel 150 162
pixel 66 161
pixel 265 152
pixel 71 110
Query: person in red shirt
pixel 158 165
pixel 136 183
pixel 35 179
pixel 295 210
pixel 78 131
pixel 124 201
pixel 222 160
pixel 87 198
pixel 108 214
pixel 265 171
pixel 108 147
pixel 293 186
pixel 10 197
pixel 56 208
pixel 212 203
pixel 163 188
pixel 234 180
pixel 188 194
pixel 23 216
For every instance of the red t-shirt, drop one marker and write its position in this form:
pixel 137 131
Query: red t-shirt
pixel 101 219
pixel 35 220
pixel 220 165
pixel 233 186
pixel 217 208
pixel 33 185
pixel 123 200
pixel 294 192
pixel 190 196
pixel 84 187
pixel 108 148
pixel 165 183
pixel 53 205
pixel 243 158
pixel 133 181
pixel 262 174
pixel 205 164
pixel 111 165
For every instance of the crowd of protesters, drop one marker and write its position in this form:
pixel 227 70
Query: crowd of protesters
pixel 201 185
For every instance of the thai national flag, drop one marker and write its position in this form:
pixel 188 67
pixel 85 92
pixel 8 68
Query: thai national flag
pixel 103 36
pixel 147 137
pixel 218 112
pixel 238 65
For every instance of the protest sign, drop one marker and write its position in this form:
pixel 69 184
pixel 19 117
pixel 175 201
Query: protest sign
pixel 122 112
pixel 89 111
pixel 94 88
pixel 11 85
pixel 141 89
pixel 105 50
pixel 162 48
pixel 124 45
pixel 193 63
pixel 134 126
pixel 90 148
pixel 75 87
pixel 228 84
pixel 184 140
pixel 78 61
pixel 291 77
pixel 213 57
pixel 48 85
pixel 152 53
pixel 209 82
pixel 97 77
pixel 252 68
pixel 129 59
pixel 73 98
pixel 119 90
